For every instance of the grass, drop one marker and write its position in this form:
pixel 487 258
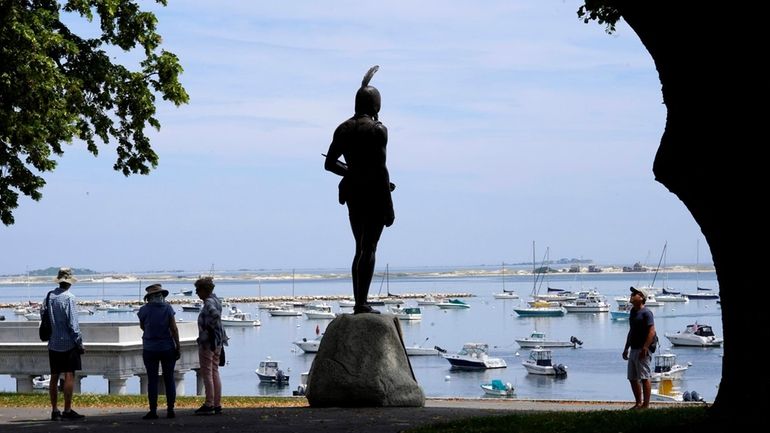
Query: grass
pixel 9 399
pixel 678 420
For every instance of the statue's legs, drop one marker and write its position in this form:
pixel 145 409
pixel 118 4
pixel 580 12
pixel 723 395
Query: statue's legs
pixel 367 235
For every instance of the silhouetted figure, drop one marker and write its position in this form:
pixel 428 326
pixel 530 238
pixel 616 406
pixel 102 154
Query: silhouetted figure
pixel 365 184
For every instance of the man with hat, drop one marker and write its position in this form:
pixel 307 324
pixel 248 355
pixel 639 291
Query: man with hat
pixel 65 345
pixel 160 344
pixel 641 334
pixel 365 184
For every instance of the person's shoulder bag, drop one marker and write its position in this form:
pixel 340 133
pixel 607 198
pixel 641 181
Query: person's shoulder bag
pixel 45 329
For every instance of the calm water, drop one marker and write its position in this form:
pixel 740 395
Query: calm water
pixel 596 370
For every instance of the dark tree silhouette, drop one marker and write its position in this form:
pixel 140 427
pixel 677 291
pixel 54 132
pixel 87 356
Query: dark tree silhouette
pixel 707 55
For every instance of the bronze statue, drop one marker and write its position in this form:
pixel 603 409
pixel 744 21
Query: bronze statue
pixel 365 184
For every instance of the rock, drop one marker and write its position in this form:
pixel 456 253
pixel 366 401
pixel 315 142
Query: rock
pixel 361 362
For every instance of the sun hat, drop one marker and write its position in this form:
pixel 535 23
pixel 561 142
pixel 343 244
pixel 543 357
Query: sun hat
pixel 641 293
pixel 153 289
pixel 65 276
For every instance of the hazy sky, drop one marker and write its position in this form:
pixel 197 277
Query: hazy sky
pixel 509 121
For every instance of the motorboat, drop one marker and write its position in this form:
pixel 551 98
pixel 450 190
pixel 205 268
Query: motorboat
pixel 587 302
pixel 428 300
pixel 695 335
pixel 418 350
pixel 540 362
pixel 346 303
pixel 84 312
pixel 537 338
pixel 319 311
pixel 195 307
pixel 474 356
pixel 309 346
pixel 540 309
pixel 564 296
pixel 284 310
pixel 236 317
pixel 667 391
pixel 407 313
pixel 622 313
pixel 497 388
pixel 41 382
pixel 269 371
pixel 453 304
pixel 121 308
pixel 32 316
pixel 665 367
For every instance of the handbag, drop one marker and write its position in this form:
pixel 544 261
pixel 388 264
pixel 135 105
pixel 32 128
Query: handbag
pixel 222 360
pixel 45 329
pixel 654 344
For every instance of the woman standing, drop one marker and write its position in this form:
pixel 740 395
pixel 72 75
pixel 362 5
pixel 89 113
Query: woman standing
pixel 211 338
pixel 160 345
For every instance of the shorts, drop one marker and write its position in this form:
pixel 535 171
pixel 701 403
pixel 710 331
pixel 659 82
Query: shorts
pixel 64 362
pixel 639 369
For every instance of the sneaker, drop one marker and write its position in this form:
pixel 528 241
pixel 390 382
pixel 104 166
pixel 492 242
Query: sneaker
pixel 55 415
pixel 204 410
pixel 151 415
pixel 170 413
pixel 71 415
pixel 217 410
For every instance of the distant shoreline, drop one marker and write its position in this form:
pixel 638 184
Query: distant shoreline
pixel 320 275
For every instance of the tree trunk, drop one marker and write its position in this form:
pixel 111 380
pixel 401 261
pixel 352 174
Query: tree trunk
pixel 707 61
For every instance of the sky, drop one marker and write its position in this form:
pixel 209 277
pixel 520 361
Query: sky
pixel 508 123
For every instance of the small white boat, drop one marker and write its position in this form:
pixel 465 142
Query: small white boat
pixel 428 300
pixel 32 316
pixel 237 317
pixel 666 391
pixel 417 350
pixel 540 362
pixel 452 304
pixel 84 312
pixel 41 382
pixel 474 356
pixel 407 313
pixel 319 311
pixel 309 346
pixel 497 388
pixel 193 308
pixel 506 295
pixel 269 306
pixel 665 367
pixel 269 371
pixel 346 303
pixel 695 335
pixel 284 311
pixel 537 338
pixel 672 298
pixel 587 302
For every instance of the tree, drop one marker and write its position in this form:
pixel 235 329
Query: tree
pixel 56 86
pixel 707 55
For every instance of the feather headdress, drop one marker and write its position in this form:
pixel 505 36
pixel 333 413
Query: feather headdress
pixel 369 74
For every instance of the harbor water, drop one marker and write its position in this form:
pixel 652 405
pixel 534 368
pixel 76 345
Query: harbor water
pixel 596 370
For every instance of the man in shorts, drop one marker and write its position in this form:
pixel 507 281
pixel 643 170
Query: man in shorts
pixel 65 345
pixel 641 334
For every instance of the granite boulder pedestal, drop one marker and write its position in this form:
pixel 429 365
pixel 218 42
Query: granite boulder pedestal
pixel 362 362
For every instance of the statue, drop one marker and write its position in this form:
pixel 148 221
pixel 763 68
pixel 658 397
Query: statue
pixel 365 186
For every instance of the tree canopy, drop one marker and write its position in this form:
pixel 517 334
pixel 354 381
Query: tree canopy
pixel 56 86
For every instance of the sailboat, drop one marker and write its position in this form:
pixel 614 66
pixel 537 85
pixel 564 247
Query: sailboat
pixel 390 298
pixel 539 308
pixel 506 294
pixel 701 292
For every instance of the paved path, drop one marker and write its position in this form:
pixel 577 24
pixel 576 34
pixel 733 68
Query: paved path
pixel 287 420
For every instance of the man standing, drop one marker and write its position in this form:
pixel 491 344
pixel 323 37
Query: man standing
pixel 641 334
pixel 365 185
pixel 65 345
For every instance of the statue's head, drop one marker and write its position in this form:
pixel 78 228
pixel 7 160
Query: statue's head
pixel 368 98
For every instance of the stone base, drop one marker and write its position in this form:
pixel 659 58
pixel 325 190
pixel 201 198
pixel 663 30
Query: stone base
pixel 361 362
